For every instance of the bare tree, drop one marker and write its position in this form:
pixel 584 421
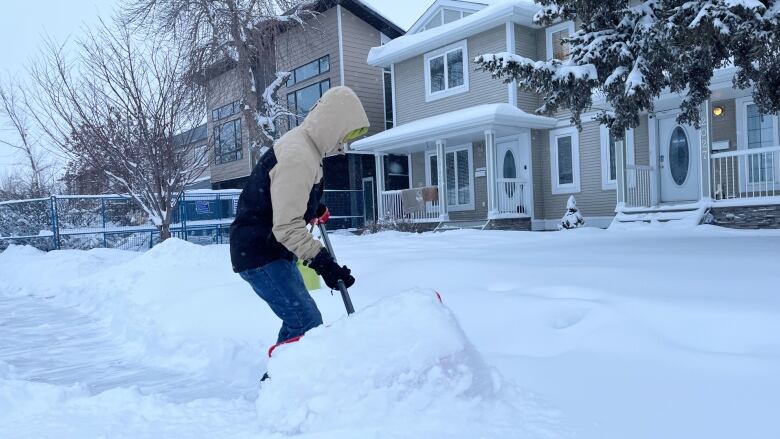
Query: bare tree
pixel 119 106
pixel 38 178
pixel 232 34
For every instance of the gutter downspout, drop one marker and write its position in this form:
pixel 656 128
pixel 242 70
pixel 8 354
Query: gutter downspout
pixel 341 44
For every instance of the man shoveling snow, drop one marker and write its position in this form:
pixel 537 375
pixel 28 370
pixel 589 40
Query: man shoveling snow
pixel 280 198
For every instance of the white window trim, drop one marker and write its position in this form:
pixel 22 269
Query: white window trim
pixel 606 183
pixel 468 147
pixel 462 45
pixel 573 187
pixel 548 32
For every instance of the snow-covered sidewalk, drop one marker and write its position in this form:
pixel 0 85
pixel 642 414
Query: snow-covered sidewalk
pixel 627 334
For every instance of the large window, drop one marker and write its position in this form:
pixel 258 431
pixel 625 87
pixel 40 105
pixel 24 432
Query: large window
pixel 301 101
pixel 228 142
pixel 446 71
pixel 225 111
pixel 556 35
pixel 761 131
pixel 565 161
pixel 309 70
pixel 387 75
pixel 458 175
pixel 396 172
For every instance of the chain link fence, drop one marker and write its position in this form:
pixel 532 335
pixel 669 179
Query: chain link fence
pixel 114 221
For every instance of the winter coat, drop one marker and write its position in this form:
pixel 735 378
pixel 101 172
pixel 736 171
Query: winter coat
pixel 284 189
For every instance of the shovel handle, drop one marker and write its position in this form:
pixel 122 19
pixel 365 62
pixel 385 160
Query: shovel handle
pixel 342 288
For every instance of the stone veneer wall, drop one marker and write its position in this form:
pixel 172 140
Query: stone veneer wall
pixel 510 224
pixel 746 217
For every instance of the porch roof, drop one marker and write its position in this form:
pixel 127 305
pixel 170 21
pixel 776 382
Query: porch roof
pixel 504 119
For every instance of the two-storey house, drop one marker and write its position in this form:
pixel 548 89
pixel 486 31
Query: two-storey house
pixel 496 164
pixel 327 50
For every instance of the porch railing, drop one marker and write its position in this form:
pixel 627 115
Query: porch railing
pixel 393 206
pixel 638 186
pixel 510 196
pixel 746 173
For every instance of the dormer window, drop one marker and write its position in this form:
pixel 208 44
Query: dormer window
pixel 445 16
pixel 446 71
pixel 557 48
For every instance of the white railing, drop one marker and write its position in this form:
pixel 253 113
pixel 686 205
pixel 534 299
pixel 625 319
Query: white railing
pixel 510 197
pixel 638 184
pixel 392 202
pixel 746 173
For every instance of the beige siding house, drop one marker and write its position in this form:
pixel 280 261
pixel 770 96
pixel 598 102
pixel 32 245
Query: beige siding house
pixel 496 164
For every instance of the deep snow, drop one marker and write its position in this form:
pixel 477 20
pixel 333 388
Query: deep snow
pixel 647 333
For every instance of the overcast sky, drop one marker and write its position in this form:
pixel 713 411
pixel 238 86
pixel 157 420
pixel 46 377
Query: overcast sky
pixel 23 23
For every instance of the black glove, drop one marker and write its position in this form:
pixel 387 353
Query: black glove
pixel 330 271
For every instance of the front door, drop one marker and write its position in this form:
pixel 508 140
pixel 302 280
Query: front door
pixel 678 161
pixel 511 177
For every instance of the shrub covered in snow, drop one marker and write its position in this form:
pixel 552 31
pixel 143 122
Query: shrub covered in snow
pixel 573 218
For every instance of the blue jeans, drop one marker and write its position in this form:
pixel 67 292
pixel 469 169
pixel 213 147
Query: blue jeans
pixel 281 285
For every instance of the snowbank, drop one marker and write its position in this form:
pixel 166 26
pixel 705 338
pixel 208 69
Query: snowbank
pixel 403 358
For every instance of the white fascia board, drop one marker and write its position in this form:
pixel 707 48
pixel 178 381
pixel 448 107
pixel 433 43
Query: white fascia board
pixel 411 45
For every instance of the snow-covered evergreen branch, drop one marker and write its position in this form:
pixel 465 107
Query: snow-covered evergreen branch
pixel 634 52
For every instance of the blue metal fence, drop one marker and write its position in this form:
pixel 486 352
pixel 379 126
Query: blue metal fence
pixel 115 221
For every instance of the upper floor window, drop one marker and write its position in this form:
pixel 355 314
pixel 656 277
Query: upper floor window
pixel 226 111
pixel 445 16
pixel 309 70
pixel 301 101
pixel 387 75
pixel 228 142
pixel 557 48
pixel 446 71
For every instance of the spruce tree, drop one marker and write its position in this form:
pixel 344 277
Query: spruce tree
pixel 630 53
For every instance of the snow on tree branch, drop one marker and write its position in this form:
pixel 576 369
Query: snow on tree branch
pixel 634 52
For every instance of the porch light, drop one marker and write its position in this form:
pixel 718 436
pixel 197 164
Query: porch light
pixel 718 111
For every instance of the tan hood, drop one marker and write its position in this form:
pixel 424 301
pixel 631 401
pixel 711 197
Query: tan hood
pixel 337 113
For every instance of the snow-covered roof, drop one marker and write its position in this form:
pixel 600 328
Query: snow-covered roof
pixel 455 123
pixel 519 11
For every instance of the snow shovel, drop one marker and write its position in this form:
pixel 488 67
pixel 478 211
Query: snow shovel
pixel 342 287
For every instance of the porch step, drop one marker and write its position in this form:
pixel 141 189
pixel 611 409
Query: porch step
pixel 459 225
pixel 683 215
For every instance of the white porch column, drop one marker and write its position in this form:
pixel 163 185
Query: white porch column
pixel 706 147
pixel 379 162
pixel 441 158
pixel 490 167
pixel 620 165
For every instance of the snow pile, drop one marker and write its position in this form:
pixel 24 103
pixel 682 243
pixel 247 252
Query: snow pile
pixel 161 304
pixel 403 358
